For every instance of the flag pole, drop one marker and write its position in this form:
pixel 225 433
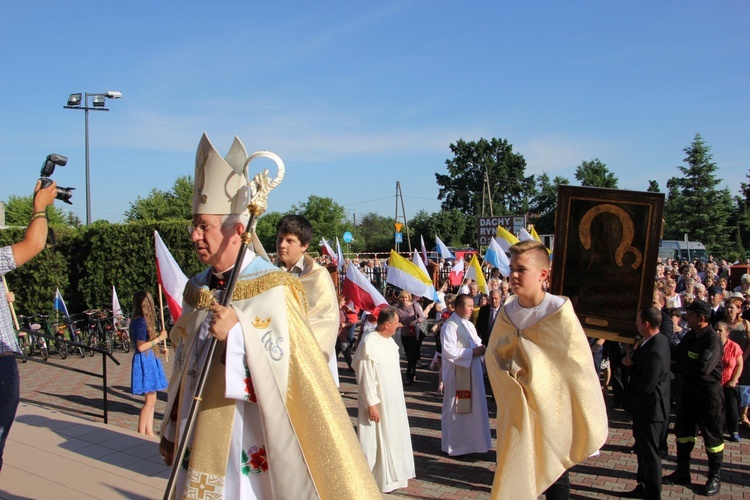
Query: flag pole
pixel 12 308
pixel 163 324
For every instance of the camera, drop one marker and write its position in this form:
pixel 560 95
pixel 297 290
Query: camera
pixel 48 168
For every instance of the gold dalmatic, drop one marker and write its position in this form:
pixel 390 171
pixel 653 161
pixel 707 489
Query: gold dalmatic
pixel 550 412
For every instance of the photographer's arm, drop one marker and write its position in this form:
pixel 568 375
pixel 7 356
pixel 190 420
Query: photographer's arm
pixel 36 234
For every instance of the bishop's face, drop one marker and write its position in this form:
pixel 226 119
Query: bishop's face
pixel 214 244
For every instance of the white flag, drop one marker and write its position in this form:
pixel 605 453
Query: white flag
pixel 116 309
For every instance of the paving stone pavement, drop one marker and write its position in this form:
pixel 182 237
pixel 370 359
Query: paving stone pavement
pixel 60 384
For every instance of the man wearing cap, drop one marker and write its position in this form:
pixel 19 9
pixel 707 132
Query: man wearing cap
pixel 266 415
pixel 701 402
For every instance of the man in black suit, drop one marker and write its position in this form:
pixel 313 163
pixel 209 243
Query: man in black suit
pixel 647 398
pixel 486 316
pixel 716 297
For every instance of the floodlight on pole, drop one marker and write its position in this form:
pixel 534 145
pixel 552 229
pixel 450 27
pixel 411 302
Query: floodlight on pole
pixel 97 104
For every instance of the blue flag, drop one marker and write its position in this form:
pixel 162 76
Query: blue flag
pixel 443 250
pixel 496 256
pixel 60 303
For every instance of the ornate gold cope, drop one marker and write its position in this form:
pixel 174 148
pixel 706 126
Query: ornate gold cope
pixel 551 413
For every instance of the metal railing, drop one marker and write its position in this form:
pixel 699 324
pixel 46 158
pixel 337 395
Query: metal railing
pixel 36 333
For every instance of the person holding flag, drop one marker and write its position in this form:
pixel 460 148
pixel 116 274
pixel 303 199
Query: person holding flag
pixel 147 375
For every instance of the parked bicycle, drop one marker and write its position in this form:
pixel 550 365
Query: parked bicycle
pixel 98 334
pixel 74 325
pixel 35 343
pixel 23 343
pixel 46 325
pixel 122 333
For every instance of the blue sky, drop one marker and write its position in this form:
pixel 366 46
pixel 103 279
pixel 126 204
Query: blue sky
pixel 355 96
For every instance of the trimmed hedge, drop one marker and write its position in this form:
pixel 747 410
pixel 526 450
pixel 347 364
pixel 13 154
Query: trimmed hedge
pixel 85 263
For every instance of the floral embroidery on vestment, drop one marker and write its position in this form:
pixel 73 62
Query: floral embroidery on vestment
pixel 254 460
pixel 249 389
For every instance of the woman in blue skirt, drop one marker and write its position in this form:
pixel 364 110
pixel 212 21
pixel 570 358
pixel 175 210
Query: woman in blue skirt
pixel 148 375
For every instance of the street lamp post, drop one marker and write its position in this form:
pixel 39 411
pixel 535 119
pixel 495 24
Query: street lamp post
pixel 97 104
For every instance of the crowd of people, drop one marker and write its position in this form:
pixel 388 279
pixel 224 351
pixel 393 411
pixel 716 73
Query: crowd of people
pixel 691 299
pixel 271 408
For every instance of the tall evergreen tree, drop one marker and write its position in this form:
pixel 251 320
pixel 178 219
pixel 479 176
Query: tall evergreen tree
pixel 695 204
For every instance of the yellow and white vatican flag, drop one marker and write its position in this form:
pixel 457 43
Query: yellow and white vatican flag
pixel 406 275
pixel 505 238
pixel 475 272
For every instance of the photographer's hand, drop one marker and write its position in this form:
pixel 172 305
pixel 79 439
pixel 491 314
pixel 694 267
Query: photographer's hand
pixel 44 197
pixel 36 234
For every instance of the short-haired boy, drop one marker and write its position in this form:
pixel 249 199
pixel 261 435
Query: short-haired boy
pixel 550 409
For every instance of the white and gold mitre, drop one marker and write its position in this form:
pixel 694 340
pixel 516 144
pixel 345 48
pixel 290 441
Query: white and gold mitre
pixel 221 184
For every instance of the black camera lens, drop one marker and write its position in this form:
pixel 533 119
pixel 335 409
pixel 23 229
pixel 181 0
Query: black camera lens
pixel 65 194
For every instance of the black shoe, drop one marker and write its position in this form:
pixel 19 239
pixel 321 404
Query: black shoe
pixel 712 487
pixel 638 492
pixel 408 382
pixel 677 478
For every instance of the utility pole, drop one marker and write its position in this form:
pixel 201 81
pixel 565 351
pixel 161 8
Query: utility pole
pixel 400 196
pixel 486 192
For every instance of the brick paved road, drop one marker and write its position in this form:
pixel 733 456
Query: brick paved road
pixel 59 384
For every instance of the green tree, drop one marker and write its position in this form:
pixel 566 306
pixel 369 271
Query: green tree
pixel 266 230
pixel 327 217
pixel 695 204
pixel 462 187
pixel 376 232
pixel 175 204
pixel 449 225
pixel 594 173
pixel 653 187
pixel 18 210
pixel 544 203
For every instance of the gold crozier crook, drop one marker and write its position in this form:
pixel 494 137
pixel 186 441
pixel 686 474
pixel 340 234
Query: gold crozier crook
pixel 584 232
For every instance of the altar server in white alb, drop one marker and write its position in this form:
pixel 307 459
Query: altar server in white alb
pixel 383 426
pixel 465 422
